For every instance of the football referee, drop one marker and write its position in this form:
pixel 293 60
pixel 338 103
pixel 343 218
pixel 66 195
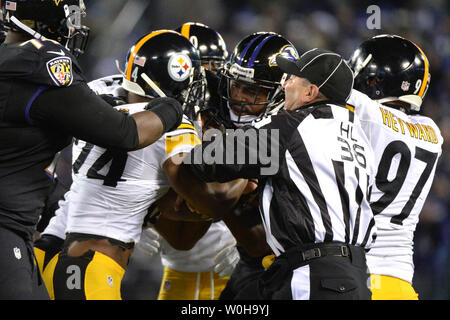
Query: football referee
pixel 314 207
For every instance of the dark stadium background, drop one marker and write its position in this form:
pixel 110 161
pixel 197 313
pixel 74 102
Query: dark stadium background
pixel 338 25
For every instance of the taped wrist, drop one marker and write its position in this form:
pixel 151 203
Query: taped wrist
pixel 168 110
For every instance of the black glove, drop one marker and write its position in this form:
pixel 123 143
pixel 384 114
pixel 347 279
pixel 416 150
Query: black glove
pixel 168 110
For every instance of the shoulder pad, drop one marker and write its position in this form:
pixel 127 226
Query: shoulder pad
pixel 44 49
pixel 44 62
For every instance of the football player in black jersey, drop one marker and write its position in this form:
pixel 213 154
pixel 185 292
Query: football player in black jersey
pixel 261 96
pixel 241 103
pixel 45 101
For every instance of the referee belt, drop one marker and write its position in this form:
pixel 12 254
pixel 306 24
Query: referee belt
pixel 298 255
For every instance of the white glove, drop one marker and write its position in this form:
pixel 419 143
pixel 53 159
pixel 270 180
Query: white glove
pixel 226 260
pixel 149 242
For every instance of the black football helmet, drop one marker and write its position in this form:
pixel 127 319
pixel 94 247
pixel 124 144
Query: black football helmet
pixel 58 20
pixel 212 48
pixel 389 68
pixel 253 63
pixel 164 63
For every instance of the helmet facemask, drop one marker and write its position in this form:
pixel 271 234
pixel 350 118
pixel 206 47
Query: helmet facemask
pixel 253 65
pixel 193 98
pixel 213 64
pixel 62 24
pixel 78 34
pixel 259 93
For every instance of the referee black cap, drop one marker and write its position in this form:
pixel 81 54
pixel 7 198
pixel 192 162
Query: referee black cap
pixel 325 69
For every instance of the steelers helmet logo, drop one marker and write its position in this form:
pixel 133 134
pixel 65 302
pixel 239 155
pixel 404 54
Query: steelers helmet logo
pixel 179 67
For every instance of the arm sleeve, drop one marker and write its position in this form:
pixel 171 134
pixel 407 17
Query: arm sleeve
pixel 78 111
pixel 250 152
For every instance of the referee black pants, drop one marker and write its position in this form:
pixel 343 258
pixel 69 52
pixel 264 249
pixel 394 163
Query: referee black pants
pixel 324 278
pixel 19 274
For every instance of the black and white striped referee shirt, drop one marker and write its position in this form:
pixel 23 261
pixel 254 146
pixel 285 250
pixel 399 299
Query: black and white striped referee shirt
pixel 320 191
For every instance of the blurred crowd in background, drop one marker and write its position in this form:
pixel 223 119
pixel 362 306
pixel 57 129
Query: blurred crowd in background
pixel 338 25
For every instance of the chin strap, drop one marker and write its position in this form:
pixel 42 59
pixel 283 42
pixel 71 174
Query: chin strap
pixel 118 68
pixel 362 65
pixel 25 28
pixel 152 85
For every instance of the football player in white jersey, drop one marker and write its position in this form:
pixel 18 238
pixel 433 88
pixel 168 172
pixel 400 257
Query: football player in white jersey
pixel 111 191
pixel 196 270
pixel 392 76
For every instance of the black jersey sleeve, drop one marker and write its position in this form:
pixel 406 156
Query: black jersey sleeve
pixel 43 62
pixel 248 152
pixel 78 111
